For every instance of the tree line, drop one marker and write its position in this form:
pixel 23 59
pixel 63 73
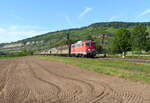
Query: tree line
pixel 126 40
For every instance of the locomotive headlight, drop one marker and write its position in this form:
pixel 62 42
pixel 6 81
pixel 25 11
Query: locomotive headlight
pixel 89 50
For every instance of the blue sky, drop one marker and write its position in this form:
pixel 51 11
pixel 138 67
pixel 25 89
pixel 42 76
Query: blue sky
pixel 20 19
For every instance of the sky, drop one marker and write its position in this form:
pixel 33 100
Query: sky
pixel 20 19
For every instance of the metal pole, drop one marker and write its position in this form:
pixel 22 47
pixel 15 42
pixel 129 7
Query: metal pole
pixel 69 44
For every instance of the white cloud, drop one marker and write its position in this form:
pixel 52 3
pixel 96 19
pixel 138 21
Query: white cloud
pixel 84 12
pixel 146 12
pixel 14 33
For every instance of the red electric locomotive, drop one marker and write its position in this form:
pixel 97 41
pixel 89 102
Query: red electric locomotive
pixel 84 48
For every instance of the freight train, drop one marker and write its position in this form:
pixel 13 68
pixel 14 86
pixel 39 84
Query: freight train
pixel 78 49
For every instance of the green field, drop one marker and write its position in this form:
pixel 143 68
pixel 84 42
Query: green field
pixel 6 57
pixel 11 56
pixel 121 68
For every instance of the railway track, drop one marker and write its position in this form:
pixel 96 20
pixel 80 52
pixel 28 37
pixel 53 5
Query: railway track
pixel 141 61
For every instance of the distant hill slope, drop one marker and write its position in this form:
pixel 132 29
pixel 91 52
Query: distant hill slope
pixel 57 38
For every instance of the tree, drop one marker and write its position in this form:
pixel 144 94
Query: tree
pixel 103 44
pixel 121 42
pixel 147 47
pixel 139 38
pixel 102 35
pixel 99 48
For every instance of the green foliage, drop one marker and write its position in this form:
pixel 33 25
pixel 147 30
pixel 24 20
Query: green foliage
pixel 147 47
pixel 122 41
pixel 119 24
pixel 89 37
pixel 139 38
pixel 24 52
pixel 99 48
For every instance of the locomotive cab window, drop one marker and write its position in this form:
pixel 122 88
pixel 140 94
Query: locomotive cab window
pixel 73 46
pixel 93 44
pixel 87 44
pixel 78 45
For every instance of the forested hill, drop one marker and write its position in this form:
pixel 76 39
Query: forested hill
pixel 119 24
pixel 57 38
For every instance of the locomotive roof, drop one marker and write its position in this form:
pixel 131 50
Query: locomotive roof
pixel 84 41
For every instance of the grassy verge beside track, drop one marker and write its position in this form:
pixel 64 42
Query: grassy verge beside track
pixel 120 68
pixel 6 57
pixel 9 56
pixel 133 57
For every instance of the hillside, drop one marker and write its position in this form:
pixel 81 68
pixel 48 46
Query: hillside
pixel 57 38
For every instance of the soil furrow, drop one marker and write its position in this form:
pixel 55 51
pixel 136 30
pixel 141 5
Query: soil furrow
pixel 45 81
pixel 34 80
pixel 90 91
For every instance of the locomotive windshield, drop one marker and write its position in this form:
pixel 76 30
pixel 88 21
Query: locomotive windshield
pixel 93 44
pixel 87 44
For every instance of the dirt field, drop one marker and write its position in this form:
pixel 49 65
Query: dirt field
pixel 33 80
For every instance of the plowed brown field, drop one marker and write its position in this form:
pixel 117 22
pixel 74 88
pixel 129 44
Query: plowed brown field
pixel 33 80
